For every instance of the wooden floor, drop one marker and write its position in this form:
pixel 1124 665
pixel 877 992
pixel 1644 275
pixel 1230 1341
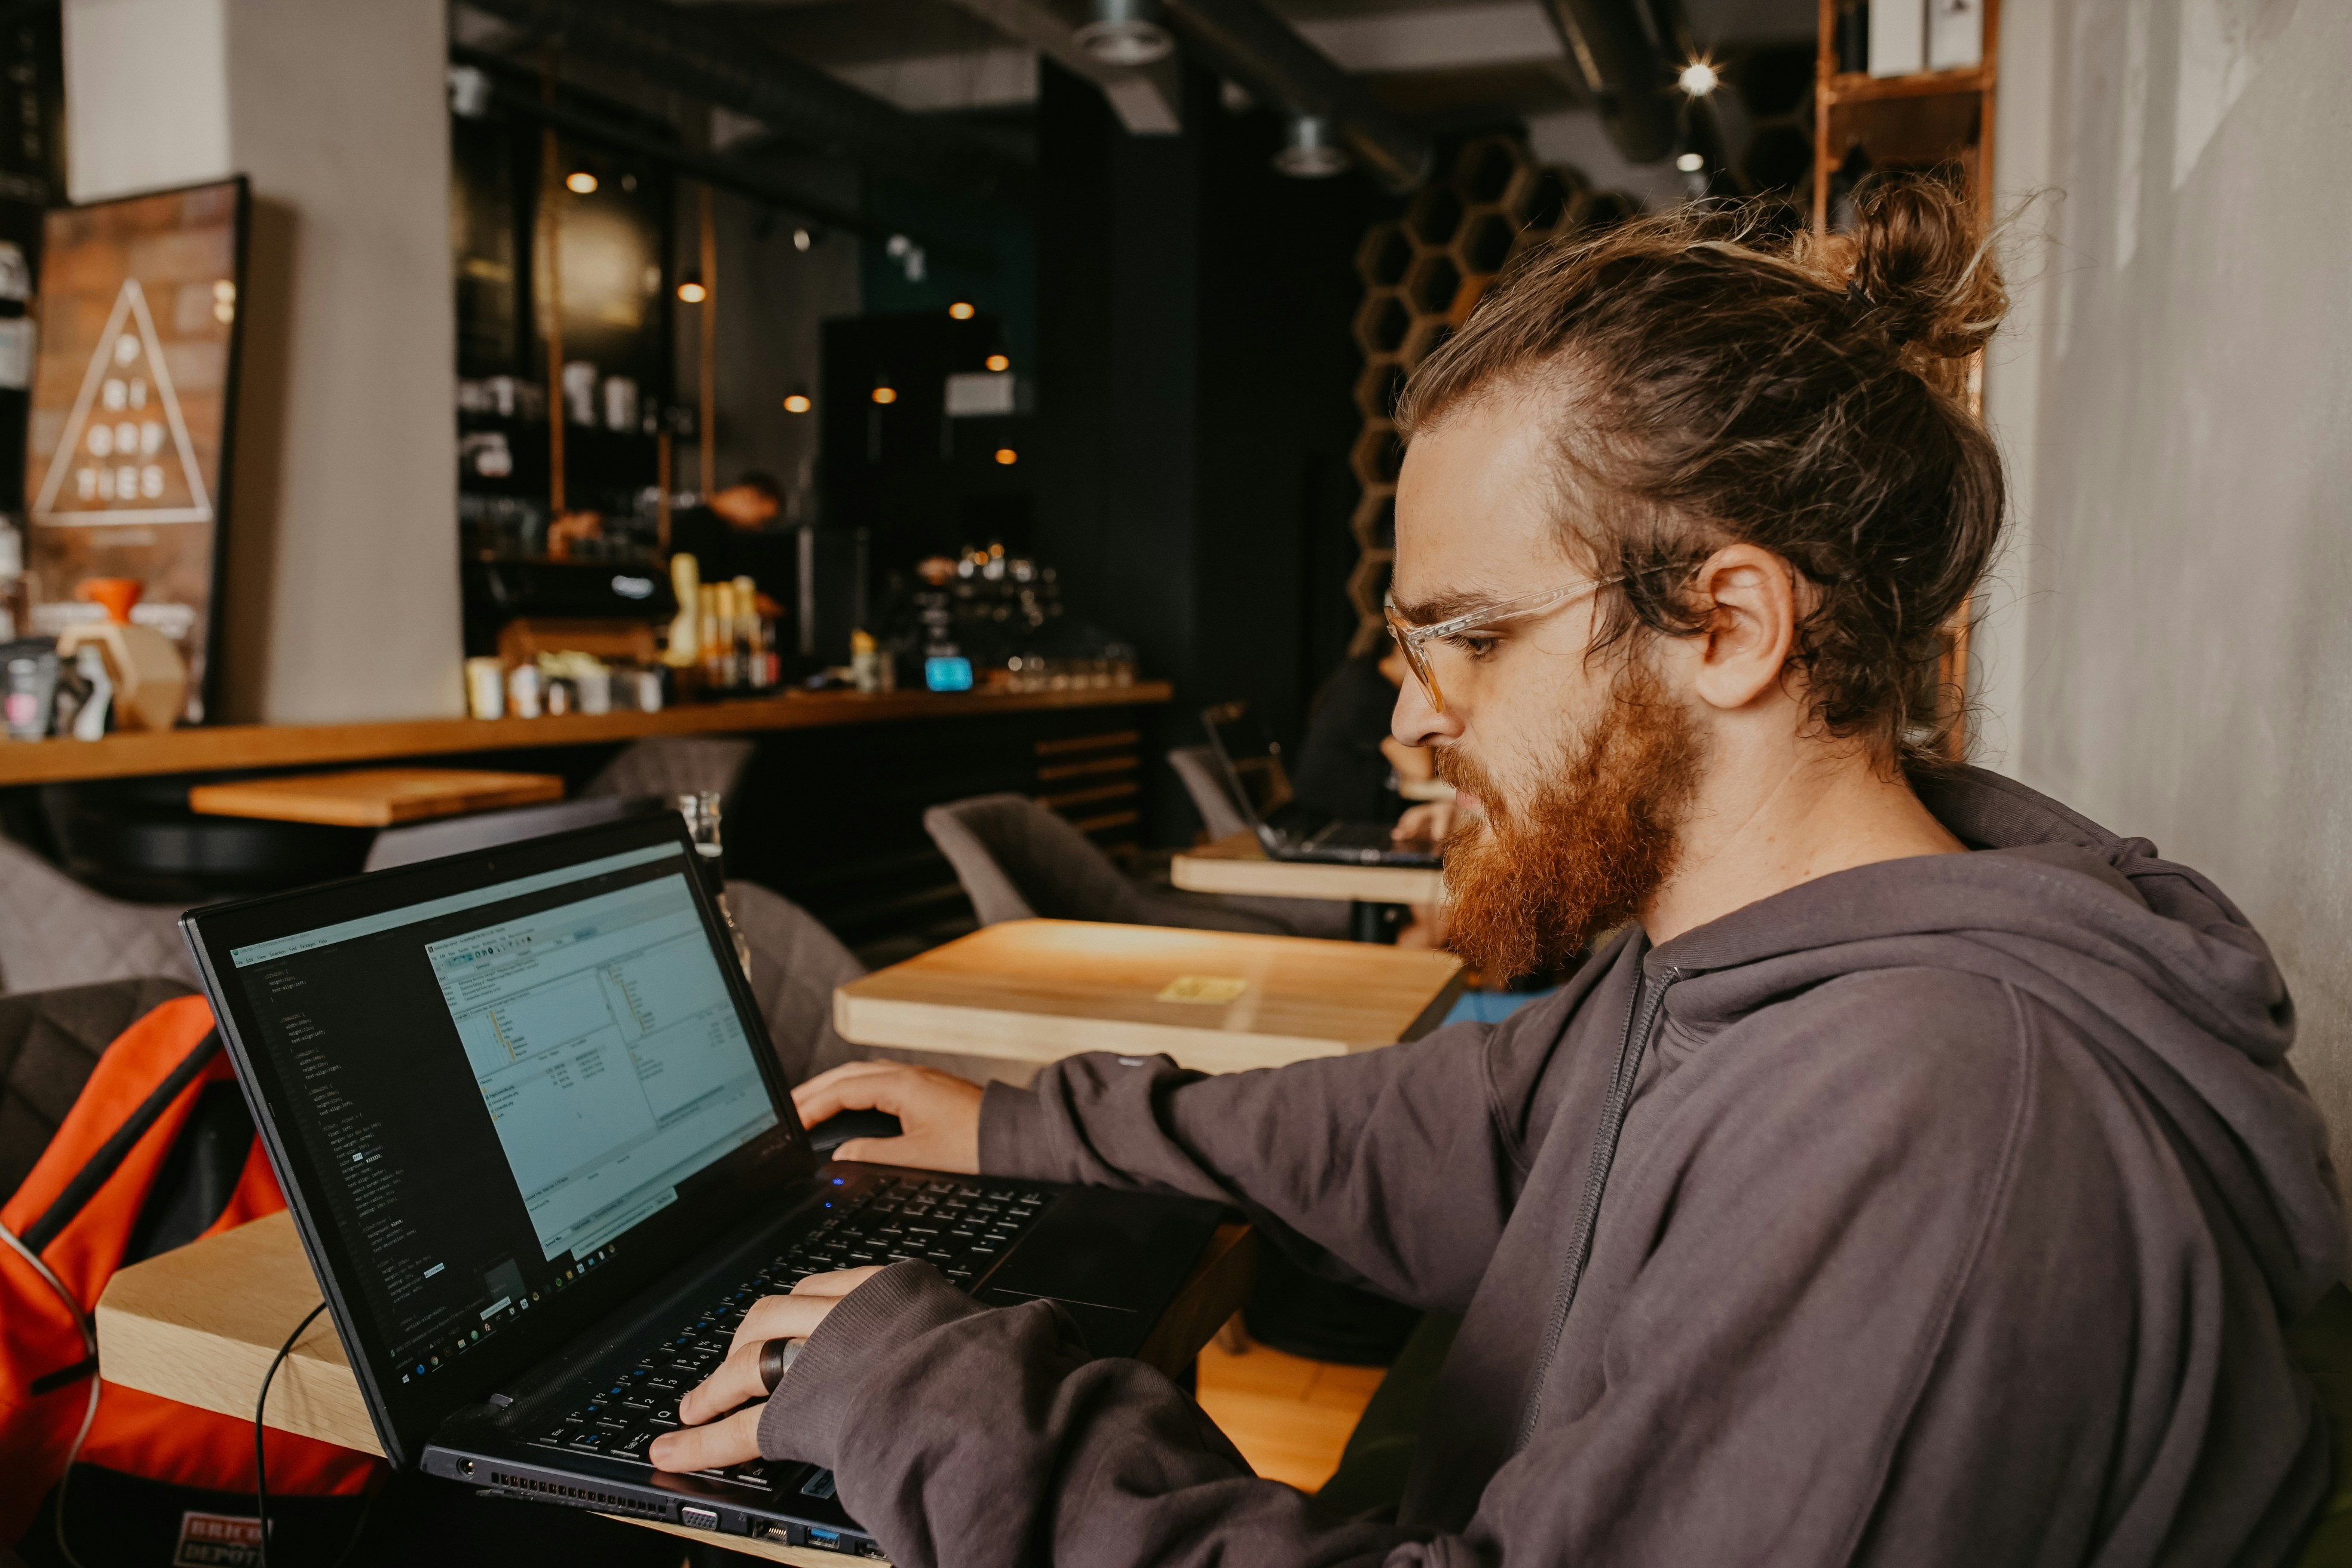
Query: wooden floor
pixel 1289 1416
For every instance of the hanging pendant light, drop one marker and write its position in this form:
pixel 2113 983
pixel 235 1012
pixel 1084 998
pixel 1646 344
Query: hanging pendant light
pixel 1310 148
pixel 1125 33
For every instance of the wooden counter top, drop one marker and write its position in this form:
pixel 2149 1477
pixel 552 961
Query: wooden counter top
pixel 219 747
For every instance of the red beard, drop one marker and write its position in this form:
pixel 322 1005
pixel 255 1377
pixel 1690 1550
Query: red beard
pixel 1529 887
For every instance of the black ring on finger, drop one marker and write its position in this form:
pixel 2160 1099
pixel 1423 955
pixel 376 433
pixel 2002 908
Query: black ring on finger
pixel 776 1358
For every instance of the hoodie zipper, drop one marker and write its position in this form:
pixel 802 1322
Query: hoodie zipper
pixel 1641 1017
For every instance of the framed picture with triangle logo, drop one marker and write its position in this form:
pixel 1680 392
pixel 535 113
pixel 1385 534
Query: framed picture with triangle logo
pixel 127 451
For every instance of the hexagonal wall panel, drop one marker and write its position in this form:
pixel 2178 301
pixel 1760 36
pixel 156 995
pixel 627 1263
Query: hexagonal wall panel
pixel 1381 259
pixel 1376 455
pixel 1543 202
pixel 1377 389
pixel 1486 168
pixel 1431 285
pixel 1428 331
pixel 1422 277
pixel 1435 215
pixel 1367 585
pixel 1485 244
pixel 1381 324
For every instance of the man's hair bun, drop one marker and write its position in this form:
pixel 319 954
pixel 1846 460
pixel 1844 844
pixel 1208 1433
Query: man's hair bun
pixel 1918 267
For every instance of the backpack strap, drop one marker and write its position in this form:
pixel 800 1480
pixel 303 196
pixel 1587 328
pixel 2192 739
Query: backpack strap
pixel 111 1154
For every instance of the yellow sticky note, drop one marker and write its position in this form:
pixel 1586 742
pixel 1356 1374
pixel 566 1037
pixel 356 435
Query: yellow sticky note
pixel 1203 988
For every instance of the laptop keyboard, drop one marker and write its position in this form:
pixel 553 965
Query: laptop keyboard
pixel 962 1228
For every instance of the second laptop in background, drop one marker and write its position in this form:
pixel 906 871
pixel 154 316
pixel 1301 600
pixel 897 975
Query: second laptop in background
pixel 1289 827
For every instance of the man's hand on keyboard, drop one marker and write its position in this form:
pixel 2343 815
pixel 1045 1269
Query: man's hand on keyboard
pixel 939 1114
pixel 706 1443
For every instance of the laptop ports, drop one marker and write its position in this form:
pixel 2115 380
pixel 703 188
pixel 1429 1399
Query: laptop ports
pixel 699 1518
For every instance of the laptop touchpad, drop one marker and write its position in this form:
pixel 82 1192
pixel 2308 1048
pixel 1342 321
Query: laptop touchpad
pixel 1113 1262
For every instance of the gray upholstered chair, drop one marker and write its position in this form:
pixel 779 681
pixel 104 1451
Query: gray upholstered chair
pixel 55 932
pixel 1018 861
pixel 1204 780
pixel 415 841
pixel 795 964
pixel 667 766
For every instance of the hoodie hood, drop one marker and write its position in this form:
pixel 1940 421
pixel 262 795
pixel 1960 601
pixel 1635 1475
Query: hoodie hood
pixel 2147 957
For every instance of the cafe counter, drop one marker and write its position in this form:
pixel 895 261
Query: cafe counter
pixel 826 808
pixel 241 747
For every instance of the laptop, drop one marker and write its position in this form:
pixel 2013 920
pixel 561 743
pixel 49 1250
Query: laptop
pixel 1289 828
pixel 532 1134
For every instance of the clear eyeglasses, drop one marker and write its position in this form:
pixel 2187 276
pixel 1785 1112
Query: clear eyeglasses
pixel 1413 639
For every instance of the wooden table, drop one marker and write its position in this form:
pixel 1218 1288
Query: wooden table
pixel 200 1325
pixel 218 748
pixel 1218 1000
pixel 1239 864
pixel 374 797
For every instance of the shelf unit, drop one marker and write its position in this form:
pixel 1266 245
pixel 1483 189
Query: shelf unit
pixel 1926 119
pixel 1930 118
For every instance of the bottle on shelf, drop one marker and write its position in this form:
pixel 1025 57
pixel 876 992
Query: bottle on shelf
pixel 714 664
pixel 1852 37
pixel 701 809
pixel 16 587
pixel 750 658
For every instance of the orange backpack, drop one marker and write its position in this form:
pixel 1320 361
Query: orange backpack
pixel 152 1479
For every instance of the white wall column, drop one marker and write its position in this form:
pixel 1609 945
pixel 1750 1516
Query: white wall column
pixel 2178 414
pixel 342 597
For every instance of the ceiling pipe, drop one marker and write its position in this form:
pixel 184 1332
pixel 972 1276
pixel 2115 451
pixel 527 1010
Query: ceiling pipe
pixel 1629 78
pixel 1244 40
pixel 722 173
pixel 799 102
pixel 1148 100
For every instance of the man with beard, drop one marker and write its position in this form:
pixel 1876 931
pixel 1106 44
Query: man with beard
pixel 1915 1177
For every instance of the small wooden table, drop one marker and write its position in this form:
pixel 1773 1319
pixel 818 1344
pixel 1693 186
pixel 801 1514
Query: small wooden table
pixel 1218 1000
pixel 373 797
pixel 201 1324
pixel 1239 864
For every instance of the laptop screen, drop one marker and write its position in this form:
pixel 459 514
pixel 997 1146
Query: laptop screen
pixel 501 1098
pixel 1252 759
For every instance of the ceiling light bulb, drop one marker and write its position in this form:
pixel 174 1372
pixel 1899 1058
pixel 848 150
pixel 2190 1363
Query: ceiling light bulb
pixel 961 310
pixel 691 290
pixel 798 403
pixel 1700 77
pixel 997 362
pixel 1007 456
pixel 886 395
pixel 1125 33
pixel 580 182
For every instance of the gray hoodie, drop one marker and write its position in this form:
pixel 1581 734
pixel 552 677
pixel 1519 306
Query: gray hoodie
pixel 1955 1213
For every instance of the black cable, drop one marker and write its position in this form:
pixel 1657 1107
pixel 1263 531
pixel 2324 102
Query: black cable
pixel 260 1458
